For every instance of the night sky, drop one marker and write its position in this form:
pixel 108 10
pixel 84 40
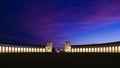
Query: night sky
pixel 77 21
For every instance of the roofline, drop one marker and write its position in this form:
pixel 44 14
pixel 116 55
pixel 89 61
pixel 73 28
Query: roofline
pixel 97 44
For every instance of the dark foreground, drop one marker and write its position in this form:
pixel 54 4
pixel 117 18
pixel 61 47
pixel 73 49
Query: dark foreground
pixel 55 60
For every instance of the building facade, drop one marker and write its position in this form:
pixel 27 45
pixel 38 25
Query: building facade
pixel 13 48
pixel 93 48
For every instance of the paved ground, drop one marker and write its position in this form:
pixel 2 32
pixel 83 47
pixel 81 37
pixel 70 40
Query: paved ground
pixel 55 60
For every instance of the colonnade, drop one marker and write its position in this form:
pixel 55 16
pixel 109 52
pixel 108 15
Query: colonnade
pixel 17 49
pixel 108 49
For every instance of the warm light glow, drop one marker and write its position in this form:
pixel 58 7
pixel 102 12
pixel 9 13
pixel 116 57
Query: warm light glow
pixel 43 49
pixel 26 49
pixel 92 49
pixel 32 49
pixel 101 50
pixel 29 50
pixel 116 49
pixel 113 49
pixel 77 49
pixel 110 49
pixel 107 49
pixel 89 49
pixel 86 50
pixel 3 49
pixel 0 49
pixel 83 49
pixel 98 49
pixel 18 49
pixel 21 49
pixel 119 49
pixel 15 49
pixel 95 50
pixel 6 49
pixel 12 49
pixel 72 50
pixel 9 49
pixel 37 49
pixel 80 49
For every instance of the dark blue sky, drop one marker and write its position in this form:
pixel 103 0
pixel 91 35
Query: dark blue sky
pixel 77 21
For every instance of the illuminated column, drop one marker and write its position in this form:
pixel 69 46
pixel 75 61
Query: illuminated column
pixel 37 49
pixel 86 50
pixel 6 49
pixel 89 50
pixel 107 49
pixel 77 49
pixel 27 49
pixel 92 49
pixel 83 49
pixel 113 49
pixel 110 49
pixel 18 49
pixel 95 50
pixel 3 49
pixel 12 49
pixel 40 49
pixel 43 49
pixel 0 49
pixel 98 49
pixel 9 49
pixel 72 50
pixel 15 49
pixel 32 49
pixel 24 49
pixel 118 49
pixel 101 50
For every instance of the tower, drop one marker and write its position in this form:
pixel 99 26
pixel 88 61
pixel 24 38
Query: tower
pixel 49 47
pixel 67 47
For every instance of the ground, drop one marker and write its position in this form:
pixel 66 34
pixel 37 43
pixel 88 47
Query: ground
pixel 42 60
